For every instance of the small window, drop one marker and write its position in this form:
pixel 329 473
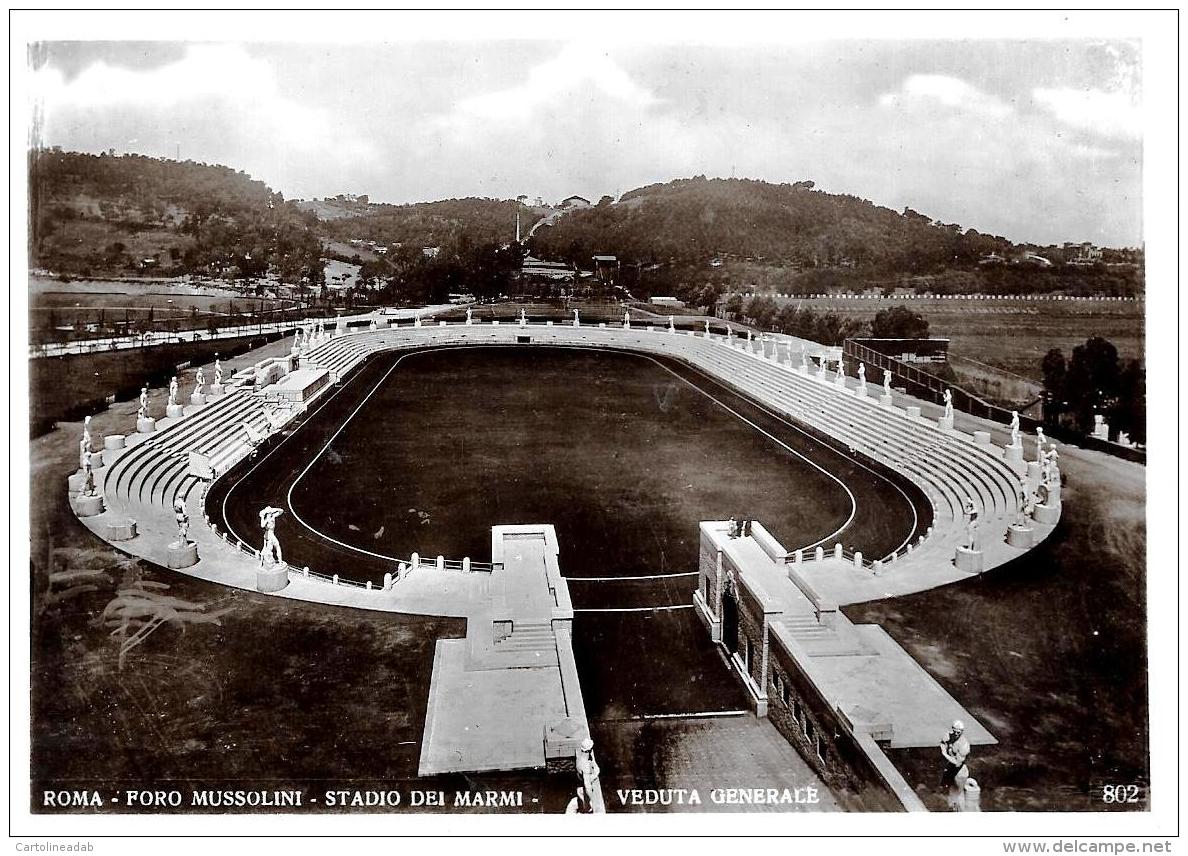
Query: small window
pixel 798 713
pixel 809 731
pixel 785 693
pixel 775 683
pixel 821 748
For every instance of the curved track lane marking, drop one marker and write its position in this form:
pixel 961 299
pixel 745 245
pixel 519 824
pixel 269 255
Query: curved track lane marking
pixel 778 417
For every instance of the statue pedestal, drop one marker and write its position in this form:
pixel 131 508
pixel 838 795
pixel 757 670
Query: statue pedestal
pixel 174 411
pixel 840 380
pixel 272 578
pixel 96 460
pixel 945 423
pixel 110 456
pixel 197 398
pixel 74 481
pixel 216 391
pixel 982 438
pixel 1049 514
pixel 885 400
pixel 113 442
pixel 861 390
pixel 913 412
pixel 1014 458
pixel 88 506
pixel 122 531
pixel 1033 472
pixel 180 555
pixel 969 560
pixel 146 425
pixel 1021 536
pixel 802 369
pixel 1051 493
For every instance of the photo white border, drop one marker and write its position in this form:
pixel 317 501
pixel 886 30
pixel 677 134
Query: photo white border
pixel 1159 35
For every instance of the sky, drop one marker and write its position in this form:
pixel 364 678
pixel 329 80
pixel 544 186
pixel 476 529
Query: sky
pixel 1035 140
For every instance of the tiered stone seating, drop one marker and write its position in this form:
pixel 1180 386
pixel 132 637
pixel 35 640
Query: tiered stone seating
pixel 949 467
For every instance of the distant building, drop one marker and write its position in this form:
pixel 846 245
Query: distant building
pixel 430 252
pixel 534 267
pixel 1082 254
pixel 606 268
pixel 571 202
pixel 667 301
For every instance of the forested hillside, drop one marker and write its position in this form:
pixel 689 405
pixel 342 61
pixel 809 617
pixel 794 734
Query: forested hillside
pixel 452 224
pixel 108 214
pixel 787 224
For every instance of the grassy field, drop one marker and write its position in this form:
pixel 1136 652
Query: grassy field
pixel 1011 334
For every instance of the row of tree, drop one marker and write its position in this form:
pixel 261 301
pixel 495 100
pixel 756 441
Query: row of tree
pixel 1095 381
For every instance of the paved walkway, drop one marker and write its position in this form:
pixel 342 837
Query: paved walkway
pixel 709 755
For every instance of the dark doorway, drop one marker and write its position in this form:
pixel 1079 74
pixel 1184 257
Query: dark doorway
pixel 730 621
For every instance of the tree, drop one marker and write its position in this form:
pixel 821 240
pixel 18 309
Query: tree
pixel 1055 373
pixel 898 322
pixel 1092 382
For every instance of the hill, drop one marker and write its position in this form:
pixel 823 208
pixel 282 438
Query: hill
pixel 452 224
pixel 795 225
pixel 111 215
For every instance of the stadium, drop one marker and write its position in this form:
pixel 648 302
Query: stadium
pixel 616 521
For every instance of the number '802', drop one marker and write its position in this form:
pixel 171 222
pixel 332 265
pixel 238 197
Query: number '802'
pixel 1120 794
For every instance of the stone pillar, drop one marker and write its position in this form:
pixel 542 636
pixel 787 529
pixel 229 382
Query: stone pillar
pixel 1014 458
pixel 272 578
pixel 969 560
pixel 945 423
pixel 88 506
pixel 174 411
pixel 1020 535
pixel 982 438
pixel 885 400
pixel 179 555
pixel 121 530
pixel 1049 514
pixel 837 551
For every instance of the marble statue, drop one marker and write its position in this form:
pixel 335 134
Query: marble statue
pixel 1014 427
pixel 587 768
pixel 1039 444
pixel 841 369
pixel 577 321
pixel 199 380
pixel 671 325
pixel 218 370
pixel 523 318
pixel 270 553
pixel 627 318
pixel 1026 500
pixel 862 374
pixel 707 327
pixel 971 533
pixel 469 316
pixel 173 390
pixel 803 354
pixel 297 339
pixel 183 522
pixel 886 381
pixel 948 404
pixel 88 485
pixel 143 412
pixel 84 444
